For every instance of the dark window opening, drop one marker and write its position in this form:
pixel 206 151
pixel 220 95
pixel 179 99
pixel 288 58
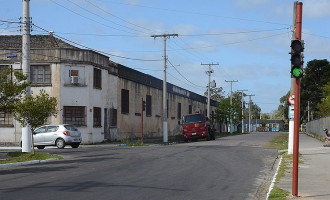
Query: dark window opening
pixel 179 111
pixel 96 117
pixel 148 105
pixel 97 81
pixel 124 101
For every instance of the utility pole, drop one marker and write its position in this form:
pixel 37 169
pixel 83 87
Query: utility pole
pixel 26 131
pixel 165 131
pixel 231 102
pixel 251 95
pixel 291 120
pixel 209 72
pixel 242 92
pixel 295 162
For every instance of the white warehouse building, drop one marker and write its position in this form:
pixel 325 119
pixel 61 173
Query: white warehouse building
pixel 100 97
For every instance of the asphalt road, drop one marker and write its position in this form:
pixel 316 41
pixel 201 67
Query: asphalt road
pixel 237 167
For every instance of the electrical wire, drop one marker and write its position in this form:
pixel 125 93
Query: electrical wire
pixel 98 51
pixel 202 14
pixel 183 76
pixel 89 18
pixel 128 22
pixel 101 16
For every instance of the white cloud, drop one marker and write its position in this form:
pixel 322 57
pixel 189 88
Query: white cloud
pixel 316 8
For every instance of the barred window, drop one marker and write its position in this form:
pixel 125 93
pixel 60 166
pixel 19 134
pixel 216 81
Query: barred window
pixel 40 74
pixel 75 115
pixel 6 119
pixel 96 117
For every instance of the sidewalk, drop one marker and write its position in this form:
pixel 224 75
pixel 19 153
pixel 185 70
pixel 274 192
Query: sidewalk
pixel 313 173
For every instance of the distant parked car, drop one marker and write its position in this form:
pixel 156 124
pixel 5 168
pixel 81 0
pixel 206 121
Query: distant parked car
pixel 56 135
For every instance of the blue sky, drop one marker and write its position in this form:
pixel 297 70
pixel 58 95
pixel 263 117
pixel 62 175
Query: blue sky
pixel 249 39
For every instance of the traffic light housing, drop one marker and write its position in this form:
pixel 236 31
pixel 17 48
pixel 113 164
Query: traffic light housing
pixel 297 58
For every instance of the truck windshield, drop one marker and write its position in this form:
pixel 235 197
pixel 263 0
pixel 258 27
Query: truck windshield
pixel 192 119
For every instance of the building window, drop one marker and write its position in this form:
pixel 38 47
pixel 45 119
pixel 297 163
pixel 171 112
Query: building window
pixel 190 109
pixel 40 74
pixel 96 117
pixel 124 101
pixel 97 78
pixel 113 117
pixel 148 105
pixel 179 111
pixel 6 119
pixel 75 115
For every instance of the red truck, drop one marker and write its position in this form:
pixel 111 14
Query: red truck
pixel 196 126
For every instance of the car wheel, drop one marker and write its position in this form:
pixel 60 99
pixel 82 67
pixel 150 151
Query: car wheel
pixel 75 145
pixel 41 147
pixel 60 143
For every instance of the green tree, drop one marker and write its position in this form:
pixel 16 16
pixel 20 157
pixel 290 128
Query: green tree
pixel 225 111
pixel 12 88
pixel 317 75
pixel 324 106
pixel 216 94
pixel 35 110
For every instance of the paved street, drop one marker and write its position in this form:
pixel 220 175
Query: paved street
pixel 236 167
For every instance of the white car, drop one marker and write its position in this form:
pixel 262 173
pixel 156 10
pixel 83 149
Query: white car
pixel 56 135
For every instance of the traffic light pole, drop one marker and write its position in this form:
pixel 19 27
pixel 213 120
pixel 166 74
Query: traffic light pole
pixel 298 27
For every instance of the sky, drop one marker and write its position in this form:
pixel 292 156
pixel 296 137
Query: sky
pixel 247 40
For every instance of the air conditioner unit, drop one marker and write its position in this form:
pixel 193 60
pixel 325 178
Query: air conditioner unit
pixel 74 79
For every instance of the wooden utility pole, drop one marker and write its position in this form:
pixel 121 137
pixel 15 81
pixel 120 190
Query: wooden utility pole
pixel 298 28
pixel 165 131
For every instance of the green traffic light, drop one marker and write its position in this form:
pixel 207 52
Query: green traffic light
pixel 297 72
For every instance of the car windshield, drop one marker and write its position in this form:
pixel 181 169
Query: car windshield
pixel 70 127
pixel 192 119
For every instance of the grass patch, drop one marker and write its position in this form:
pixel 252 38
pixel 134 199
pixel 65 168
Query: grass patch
pixel 278 194
pixel 129 142
pixel 22 157
pixel 279 142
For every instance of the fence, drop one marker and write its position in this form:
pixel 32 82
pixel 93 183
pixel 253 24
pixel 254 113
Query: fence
pixel 317 126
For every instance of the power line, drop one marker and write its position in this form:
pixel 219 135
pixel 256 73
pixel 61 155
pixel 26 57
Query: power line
pixel 101 16
pixel 203 14
pixel 184 76
pixel 117 16
pixel 238 32
pixel 102 52
pixel 88 17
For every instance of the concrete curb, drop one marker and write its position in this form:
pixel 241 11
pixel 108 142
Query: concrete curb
pixel 9 165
